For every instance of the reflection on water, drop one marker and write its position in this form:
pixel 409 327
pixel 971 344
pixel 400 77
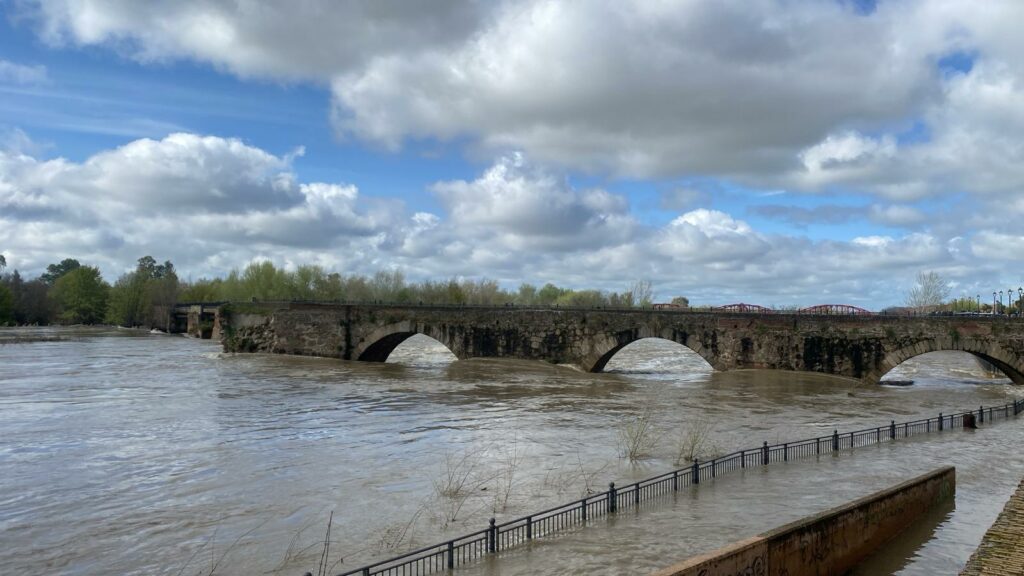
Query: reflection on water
pixel 130 453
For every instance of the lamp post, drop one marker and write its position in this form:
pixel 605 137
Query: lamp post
pixel 1020 300
pixel 993 303
pixel 979 303
pixel 1009 301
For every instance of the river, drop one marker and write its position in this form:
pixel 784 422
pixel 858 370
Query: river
pixel 123 452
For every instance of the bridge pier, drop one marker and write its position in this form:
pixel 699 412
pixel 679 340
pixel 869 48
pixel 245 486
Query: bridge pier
pixel 197 320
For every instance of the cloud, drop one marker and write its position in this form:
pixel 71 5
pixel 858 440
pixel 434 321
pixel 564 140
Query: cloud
pixel 897 215
pixel 525 207
pixel 711 238
pixel 803 217
pixel 13 73
pixel 805 96
pixel 295 40
pixel 193 195
pixel 840 154
pixel 642 90
pixel 210 204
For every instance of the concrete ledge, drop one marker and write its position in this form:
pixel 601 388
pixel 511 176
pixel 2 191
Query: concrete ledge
pixel 831 542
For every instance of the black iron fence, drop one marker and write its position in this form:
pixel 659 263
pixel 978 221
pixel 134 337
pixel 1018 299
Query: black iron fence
pixel 497 537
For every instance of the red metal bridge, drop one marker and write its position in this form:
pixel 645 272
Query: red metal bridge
pixel 834 309
pixel 826 309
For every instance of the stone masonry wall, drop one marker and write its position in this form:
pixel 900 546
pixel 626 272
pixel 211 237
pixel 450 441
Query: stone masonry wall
pixel 860 347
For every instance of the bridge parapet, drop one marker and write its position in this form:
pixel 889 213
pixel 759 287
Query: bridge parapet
pixel 862 347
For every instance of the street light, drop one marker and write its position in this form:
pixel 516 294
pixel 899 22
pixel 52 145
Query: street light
pixel 1009 300
pixel 1020 299
pixel 993 303
pixel 979 303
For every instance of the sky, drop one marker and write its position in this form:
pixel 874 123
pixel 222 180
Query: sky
pixel 777 152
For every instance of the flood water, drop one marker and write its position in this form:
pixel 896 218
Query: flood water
pixel 123 452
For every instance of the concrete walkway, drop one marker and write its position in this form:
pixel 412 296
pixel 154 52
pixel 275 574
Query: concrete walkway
pixel 1001 552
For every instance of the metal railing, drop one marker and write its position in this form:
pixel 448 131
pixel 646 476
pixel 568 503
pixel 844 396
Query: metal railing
pixel 496 537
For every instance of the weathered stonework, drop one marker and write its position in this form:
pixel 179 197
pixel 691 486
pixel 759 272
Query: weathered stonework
pixel 859 347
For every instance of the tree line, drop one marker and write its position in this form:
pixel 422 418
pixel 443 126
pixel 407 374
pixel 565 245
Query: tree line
pixel 72 293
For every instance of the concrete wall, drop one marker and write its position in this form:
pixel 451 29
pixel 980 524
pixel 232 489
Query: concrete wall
pixel 832 542
pixel 859 347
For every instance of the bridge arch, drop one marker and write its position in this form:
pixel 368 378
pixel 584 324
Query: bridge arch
pixel 604 347
pixel 657 349
pixel 1009 363
pixel 379 344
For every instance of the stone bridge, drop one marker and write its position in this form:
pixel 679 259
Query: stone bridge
pixel 862 347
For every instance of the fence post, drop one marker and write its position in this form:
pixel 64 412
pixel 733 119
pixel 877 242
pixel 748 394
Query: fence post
pixel 696 472
pixel 785 452
pixel 492 537
pixel 892 430
pixel 612 500
pixel 714 465
pixel 675 480
pixel 743 459
pixel 366 572
pixel 817 445
pixel 451 551
pixel 636 494
pixel 981 414
pixel 583 509
pixel 835 440
pixel 529 528
pixel 764 453
pixel 878 435
pixel 940 421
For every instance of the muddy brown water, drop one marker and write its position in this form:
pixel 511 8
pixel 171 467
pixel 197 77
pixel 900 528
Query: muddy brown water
pixel 128 453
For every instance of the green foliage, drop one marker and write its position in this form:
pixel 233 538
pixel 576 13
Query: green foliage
pixel 55 271
pixel 81 296
pixel 126 306
pixel 6 306
pixel 263 281
pixel 144 297
pixel 681 301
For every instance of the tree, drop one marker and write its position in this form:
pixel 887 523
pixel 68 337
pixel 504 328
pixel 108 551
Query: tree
pixel 3 262
pixel 641 293
pixel 6 306
pixel 549 293
pixel 55 271
pixel 81 296
pixel 929 293
pixel 527 294
pixel 126 302
pixel 32 304
pixel 681 301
